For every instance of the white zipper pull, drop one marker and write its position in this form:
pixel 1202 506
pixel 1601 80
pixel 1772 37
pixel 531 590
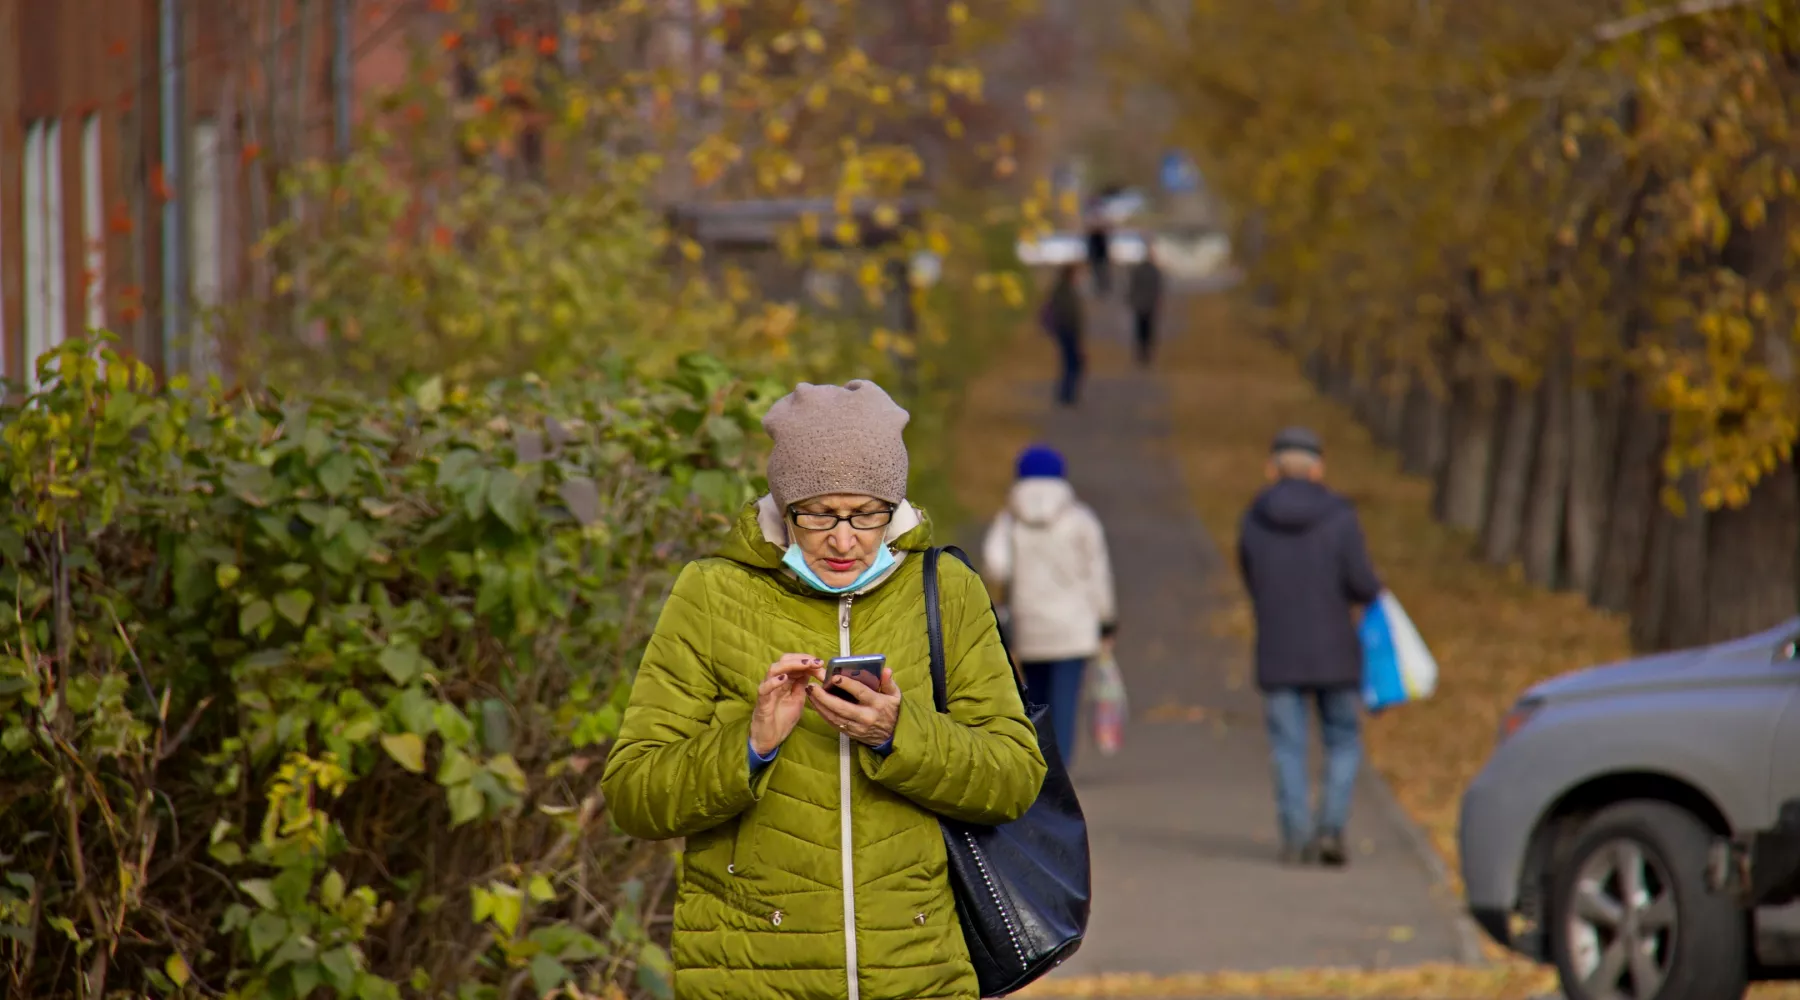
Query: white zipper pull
pixel 844 612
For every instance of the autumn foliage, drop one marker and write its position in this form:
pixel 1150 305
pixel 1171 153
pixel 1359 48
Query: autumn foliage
pixel 1545 249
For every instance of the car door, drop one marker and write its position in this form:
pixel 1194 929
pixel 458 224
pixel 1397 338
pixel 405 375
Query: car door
pixel 1784 756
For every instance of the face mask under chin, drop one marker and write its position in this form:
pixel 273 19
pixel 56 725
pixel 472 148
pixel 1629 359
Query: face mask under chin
pixel 795 559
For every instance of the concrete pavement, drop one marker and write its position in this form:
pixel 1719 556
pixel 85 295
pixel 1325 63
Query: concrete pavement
pixel 1182 818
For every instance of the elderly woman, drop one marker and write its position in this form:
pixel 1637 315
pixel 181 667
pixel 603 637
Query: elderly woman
pixel 814 863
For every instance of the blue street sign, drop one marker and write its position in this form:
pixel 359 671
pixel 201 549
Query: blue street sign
pixel 1179 175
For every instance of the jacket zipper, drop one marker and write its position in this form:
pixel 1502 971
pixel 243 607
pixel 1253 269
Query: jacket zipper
pixel 845 840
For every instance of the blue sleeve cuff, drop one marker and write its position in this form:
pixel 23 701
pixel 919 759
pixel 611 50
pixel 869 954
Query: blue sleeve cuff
pixel 886 748
pixel 758 761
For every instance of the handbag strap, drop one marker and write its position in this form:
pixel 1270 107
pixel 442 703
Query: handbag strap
pixel 934 630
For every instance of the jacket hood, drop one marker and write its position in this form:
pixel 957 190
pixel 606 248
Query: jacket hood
pixel 1039 500
pixel 1295 505
pixel 759 539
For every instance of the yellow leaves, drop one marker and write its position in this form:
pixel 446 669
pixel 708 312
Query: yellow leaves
pixel 1755 212
pixel 959 13
pixel 407 750
pixel 176 967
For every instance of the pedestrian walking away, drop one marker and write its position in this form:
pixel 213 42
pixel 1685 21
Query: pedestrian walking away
pixel 1144 295
pixel 814 864
pixel 1099 255
pixel 1062 319
pixel 1047 552
pixel 1303 560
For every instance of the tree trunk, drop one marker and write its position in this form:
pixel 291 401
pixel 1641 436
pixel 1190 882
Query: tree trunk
pixel 1391 420
pixel 1367 395
pixel 1512 477
pixel 1634 505
pixel 1650 585
pixel 1594 415
pixel 1424 422
pixel 1466 473
pixel 1316 365
pixel 1687 572
pixel 1342 383
pixel 1544 510
pixel 1750 562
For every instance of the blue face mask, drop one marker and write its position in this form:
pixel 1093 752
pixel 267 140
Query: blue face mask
pixel 795 560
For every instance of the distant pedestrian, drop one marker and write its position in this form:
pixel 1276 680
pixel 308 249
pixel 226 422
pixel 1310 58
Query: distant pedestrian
pixel 1047 551
pixel 1063 321
pixel 1144 295
pixel 1303 560
pixel 1099 255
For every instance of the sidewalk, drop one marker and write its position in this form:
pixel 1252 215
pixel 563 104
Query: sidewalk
pixel 1182 818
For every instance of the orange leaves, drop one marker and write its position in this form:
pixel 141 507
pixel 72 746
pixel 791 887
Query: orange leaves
pixel 159 184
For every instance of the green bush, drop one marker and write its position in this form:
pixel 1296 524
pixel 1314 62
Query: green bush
pixel 306 694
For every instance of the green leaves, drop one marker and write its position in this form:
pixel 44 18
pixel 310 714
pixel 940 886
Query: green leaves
pixel 294 605
pixel 293 592
pixel 407 749
pixel 402 662
pixel 505 499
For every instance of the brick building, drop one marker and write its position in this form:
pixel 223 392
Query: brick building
pixel 132 171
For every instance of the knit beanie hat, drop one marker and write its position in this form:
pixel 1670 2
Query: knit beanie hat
pixel 836 439
pixel 1040 461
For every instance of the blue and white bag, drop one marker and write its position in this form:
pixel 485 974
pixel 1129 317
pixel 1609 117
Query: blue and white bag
pixel 1397 667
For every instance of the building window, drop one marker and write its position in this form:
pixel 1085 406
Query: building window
pixel 45 315
pixel 93 219
pixel 209 274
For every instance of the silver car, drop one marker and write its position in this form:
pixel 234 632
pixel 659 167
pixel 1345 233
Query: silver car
pixel 1638 825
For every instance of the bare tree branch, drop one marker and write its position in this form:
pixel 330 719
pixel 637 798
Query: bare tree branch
pixel 1612 31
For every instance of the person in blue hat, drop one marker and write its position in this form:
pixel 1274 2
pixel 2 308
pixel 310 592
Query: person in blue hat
pixel 1047 551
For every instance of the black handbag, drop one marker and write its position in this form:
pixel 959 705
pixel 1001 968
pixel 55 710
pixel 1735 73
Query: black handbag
pixel 1021 888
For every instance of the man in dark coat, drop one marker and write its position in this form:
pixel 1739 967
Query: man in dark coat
pixel 1144 295
pixel 1303 560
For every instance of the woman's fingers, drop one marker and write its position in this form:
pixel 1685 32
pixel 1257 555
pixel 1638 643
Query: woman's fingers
pixel 792 664
pixel 888 687
pixel 837 711
pixel 855 688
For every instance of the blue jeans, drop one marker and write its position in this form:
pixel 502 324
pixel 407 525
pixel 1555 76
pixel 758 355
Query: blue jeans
pixel 1068 387
pixel 1285 713
pixel 1057 683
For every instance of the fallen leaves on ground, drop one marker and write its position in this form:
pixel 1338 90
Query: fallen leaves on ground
pixel 1492 634
pixel 1003 410
pixel 1444 981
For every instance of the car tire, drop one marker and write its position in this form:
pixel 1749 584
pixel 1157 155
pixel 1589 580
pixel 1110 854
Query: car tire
pixel 1636 875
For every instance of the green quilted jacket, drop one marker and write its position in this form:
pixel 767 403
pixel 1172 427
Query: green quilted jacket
pixel 824 877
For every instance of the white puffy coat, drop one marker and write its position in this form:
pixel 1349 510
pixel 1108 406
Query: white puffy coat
pixel 1050 551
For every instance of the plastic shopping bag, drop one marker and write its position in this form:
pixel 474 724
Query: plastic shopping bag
pixel 1107 689
pixel 1397 667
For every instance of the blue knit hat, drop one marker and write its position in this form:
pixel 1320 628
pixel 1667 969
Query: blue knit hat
pixel 1040 461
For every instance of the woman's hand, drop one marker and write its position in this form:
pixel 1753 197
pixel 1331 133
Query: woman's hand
pixel 871 718
pixel 781 699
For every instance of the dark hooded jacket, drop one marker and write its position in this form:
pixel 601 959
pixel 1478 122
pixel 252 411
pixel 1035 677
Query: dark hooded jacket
pixel 1301 553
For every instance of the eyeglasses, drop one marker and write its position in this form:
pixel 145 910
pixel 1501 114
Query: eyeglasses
pixel 861 520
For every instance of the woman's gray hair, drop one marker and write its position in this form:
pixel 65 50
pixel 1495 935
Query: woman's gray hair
pixel 1296 463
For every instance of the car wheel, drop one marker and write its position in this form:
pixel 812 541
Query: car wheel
pixel 1632 917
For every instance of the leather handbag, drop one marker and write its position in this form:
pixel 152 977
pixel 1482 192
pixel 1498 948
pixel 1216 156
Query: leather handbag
pixel 1022 887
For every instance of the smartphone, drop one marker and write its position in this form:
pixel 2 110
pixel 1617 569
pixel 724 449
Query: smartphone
pixel 866 669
